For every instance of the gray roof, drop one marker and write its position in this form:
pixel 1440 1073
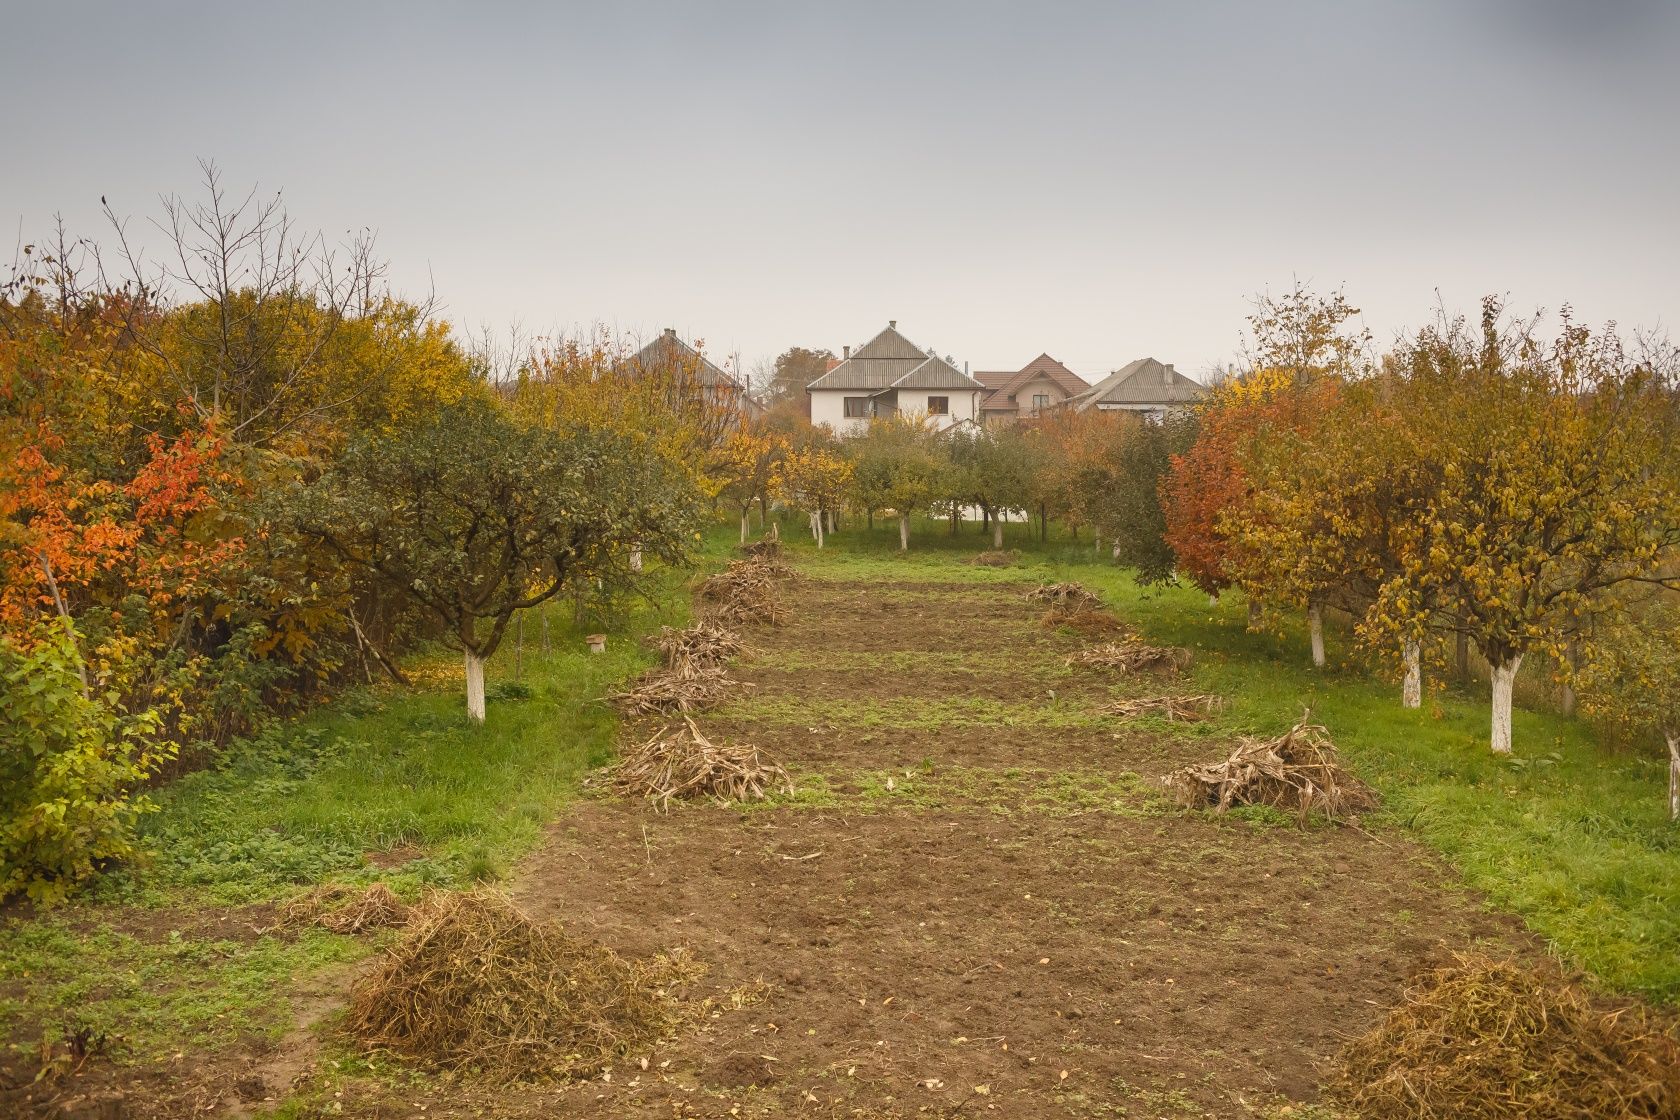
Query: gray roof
pixel 1145 383
pixel 668 352
pixel 891 361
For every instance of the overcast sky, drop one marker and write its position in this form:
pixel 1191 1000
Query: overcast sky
pixel 1101 181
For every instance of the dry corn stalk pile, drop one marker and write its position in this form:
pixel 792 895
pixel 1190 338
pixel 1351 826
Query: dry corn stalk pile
pixel 704 645
pixel 1484 1039
pixel 474 985
pixel 745 593
pixel 680 762
pixel 1064 596
pixel 1132 656
pixel 1298 771
pixel 665 692
pixel 342 908
pixel 1179 709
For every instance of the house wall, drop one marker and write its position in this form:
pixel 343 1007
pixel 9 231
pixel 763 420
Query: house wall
pixel 828 406
pixel 1024 396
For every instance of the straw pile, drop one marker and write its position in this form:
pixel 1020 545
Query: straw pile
pixel 1179 709
pixel 680 762
pixel 996 559
pixel 1297 771
pixel 745 593
pixel 474 985
pixel 1086 621
pixel 342 908
pixel 1132 656
pixel 767 547
pixel 1483 1038
pixel 1063 596
pixel 665 692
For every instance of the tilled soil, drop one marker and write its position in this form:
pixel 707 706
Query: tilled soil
pixel 1018 927
pixel 960 918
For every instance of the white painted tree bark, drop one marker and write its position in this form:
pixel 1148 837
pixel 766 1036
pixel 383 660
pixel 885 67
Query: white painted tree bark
pixel 1504 676
pixel 817 528
pixel 1673 776
pixel 635 559
pixel 744 519
pixel 475 686
pixel 1254 614
pixel 812 519
pixel 904 532
pixel 1213 601
pixel 829 526
pixel 1315 624
pixel 1411 690
pixel 997 533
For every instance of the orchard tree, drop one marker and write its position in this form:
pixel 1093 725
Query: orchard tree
pixel 898 464
pixel 745 465
pixel 996 467
pixel 1557 484
pixel 813 478
pixel 475 517
pixel 1135 519
pixel 1632 682
pixel 795 368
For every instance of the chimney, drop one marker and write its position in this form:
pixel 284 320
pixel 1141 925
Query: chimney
pixel 892 324
pixel 845 353
pixel 670 332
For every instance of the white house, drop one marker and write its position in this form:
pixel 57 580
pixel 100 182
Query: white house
pixel 890 374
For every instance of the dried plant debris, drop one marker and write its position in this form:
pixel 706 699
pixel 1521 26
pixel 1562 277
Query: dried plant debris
pixel 1087 621
pixel 767 547
pixel 1299 772
pixel 1180 709
pixel 342 908
pixel 696 648
pixel 681 762
pixel 474 986
pixel 1064 595
pixel 666 692
pixel 745 593
pixel 1484 1038
pixel 1132 656
pixel 999 558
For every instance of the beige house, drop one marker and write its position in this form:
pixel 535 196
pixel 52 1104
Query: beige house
pixel 1037 387
pixel 1146 385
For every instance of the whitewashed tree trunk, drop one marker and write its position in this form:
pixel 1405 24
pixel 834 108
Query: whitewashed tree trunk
pixel 475 686
pixel 745 510
pixel 817 527
pixel 1411 690
pixel 1504 676
pixel 1213 601
pixel 636 559
pixel 1673 776
pixel 997 533
pixel 904 532
pixel 816 535
pixel 1315 621
pixel 832 518
pixel 1254 614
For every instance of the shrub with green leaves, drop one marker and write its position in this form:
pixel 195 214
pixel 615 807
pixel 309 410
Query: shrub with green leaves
pixel 69 766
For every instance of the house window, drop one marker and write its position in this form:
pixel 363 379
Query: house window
pixel 939 406
pixel 857 408
pixel 1041 401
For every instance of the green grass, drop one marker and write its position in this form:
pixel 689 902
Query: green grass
pixel 1569 835
pixel 309 801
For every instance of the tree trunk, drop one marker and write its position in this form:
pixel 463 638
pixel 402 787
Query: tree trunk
pixel 1043 524
pixel 1572 654
pixel 745 511
pixel 1315 625
pixel 904 532
pixel 829 528
pixel 475 686
pixel 519 646
pixel 1254 614
pixel 871 520
pixel 1673 776
pixel 636 559
pixel 1411 690
pixel 985 518
pixel 997 533
pixel 1461 656
pixel 1504 676
pixel 817 527
pixel 1213 600
pixel 816 535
